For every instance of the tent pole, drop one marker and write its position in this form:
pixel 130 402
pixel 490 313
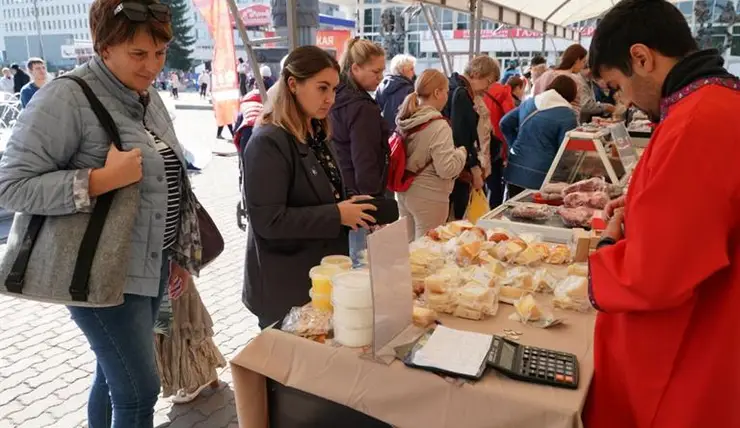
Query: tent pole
pixel 479 26
pixel 248 47
pixel 441 40
pixel 437 44
pixel 290 10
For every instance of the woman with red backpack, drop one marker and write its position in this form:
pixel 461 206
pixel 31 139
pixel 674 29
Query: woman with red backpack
pixel 432 161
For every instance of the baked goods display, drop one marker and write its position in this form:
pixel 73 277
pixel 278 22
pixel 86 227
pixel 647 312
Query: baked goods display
pixel 472 269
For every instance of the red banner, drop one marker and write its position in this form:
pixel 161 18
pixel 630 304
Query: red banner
pixel 333 39
pixel 224 80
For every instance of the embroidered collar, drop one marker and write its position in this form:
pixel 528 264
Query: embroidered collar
pixel 667 102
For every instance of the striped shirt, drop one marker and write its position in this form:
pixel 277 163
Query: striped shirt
pixel 173 171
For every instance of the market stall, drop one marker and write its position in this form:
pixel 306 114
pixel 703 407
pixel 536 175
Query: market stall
pixel 405 397
pixel 525 297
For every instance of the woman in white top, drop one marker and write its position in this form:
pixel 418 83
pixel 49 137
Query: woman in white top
pixel 431 154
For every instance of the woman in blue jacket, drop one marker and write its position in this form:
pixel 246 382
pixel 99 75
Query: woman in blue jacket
pixel 534 132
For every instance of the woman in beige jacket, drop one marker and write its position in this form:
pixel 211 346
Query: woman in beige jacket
pixel 431 154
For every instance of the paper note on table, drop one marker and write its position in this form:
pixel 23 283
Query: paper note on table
pixel 455 351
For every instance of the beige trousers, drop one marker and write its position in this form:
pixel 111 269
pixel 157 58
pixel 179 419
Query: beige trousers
pixel 421 214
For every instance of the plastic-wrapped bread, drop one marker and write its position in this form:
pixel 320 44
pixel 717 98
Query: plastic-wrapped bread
pixel 478 298
pixel 468 253
pixel 542 249
pixel 498 235
pixel 520 278
pixel 559 254
pixel 437 283
pixel 468 313
pixel 527 308
pixel 578 269
pixel 476 234
pixel 544 280
pixel 493 265
pixel 527 257
pixel 424 317
pixel 508 250
pixel 507 292
pixel 573 287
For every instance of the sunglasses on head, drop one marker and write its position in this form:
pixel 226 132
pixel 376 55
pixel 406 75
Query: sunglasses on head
pixel 138 12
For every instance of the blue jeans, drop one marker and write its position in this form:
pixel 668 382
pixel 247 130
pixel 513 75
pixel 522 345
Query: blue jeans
pixel 357 244
pixel 126 383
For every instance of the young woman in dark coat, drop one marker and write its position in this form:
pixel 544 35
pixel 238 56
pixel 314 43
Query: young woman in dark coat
pixel 293 189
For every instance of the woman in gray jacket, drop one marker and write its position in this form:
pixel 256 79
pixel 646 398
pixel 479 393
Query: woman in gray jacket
pixel 59 158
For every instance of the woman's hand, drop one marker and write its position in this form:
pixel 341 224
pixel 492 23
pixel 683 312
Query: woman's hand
pixel 353 213
pixel 477 178
pixel 178 281
pixel 120 170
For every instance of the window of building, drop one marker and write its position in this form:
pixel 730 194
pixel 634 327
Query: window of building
pixel 418 23
pixel 444 19
pixel 371 21
pixel 414 44
pixel 463 21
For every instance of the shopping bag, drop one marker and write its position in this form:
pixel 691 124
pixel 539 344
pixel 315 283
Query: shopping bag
pixel 477 206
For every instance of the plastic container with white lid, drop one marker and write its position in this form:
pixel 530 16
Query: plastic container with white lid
pixel 352 289
pixel 353 337
pixel 342 262
pixel 353 318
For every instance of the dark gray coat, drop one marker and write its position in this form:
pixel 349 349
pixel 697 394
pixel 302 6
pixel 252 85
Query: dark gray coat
pixel 293 222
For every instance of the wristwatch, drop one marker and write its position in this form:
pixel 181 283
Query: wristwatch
pixel 605 241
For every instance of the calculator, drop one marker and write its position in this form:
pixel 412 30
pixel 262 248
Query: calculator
pixel 536 365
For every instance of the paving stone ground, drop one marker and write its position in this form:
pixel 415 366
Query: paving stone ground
pixel 46 365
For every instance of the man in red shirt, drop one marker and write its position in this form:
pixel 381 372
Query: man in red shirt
pixel 666 278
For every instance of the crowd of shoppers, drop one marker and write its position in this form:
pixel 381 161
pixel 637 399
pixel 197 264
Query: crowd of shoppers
pixel 316 153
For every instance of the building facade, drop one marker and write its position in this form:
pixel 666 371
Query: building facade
pixel 42 28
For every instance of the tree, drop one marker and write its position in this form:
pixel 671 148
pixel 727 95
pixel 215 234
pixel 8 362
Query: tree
pixel 179 54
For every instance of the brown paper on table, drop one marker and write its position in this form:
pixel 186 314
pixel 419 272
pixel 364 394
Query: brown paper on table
pixel 409 398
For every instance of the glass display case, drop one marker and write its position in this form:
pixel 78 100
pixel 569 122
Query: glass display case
pixel 594 151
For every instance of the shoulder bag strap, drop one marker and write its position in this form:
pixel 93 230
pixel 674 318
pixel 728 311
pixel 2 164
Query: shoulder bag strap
pixel 79 287
pixel 529 116
pixel 419 128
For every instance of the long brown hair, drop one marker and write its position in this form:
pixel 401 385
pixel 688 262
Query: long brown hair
pixel 283 110
pixel 429 81
pixel 360 52
pixel 571 55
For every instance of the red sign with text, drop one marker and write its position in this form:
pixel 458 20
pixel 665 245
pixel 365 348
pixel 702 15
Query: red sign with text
pixel 333 39
pixel 256 15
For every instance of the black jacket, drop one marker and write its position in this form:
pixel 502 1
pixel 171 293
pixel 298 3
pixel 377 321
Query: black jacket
pixel 360 137
pixel 19 80
pixel 293 222
pixel 463 118
pixel 390 95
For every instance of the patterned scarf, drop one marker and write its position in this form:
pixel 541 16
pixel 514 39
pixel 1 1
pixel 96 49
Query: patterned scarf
pixel 187 251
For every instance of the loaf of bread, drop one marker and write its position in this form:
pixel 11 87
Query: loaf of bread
pixel 527 309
